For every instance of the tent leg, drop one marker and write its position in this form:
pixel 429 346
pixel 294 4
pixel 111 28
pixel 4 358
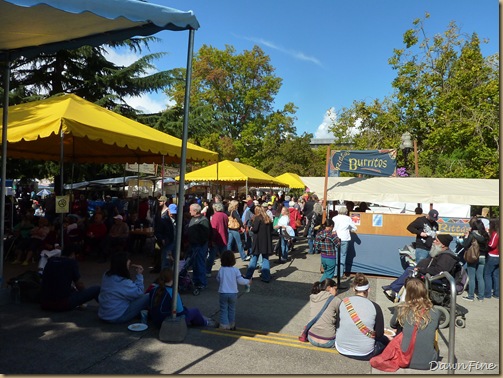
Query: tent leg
pixel 5 117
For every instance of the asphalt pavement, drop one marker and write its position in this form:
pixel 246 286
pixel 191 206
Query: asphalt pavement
pixel 269 319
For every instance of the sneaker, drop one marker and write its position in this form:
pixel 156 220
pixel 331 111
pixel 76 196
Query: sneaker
pixel 480 299
pixel 226 327
pixel 390 294
pixel 210 323
pixel 466 298
pixel 496 297
pixel 247 288
pixel 247 258
pixel 386 287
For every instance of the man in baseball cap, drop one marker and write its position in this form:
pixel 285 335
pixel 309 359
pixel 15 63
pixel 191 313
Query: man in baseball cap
pixel 425 228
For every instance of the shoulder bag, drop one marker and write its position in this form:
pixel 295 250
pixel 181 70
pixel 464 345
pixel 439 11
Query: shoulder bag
pixel 392 358
pixel 303 336
pixel 356 319
pixel 472 254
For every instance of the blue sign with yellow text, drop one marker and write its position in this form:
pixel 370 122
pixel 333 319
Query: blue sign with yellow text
pixel 372 162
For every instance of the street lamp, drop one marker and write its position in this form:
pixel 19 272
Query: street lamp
pixel 406 146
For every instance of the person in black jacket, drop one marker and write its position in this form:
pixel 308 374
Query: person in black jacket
pixel 425 228
pixel 198 232
pixel 476 270
pixel 441 259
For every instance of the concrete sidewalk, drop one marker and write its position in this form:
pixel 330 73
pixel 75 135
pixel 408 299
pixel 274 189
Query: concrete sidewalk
pixel 269 319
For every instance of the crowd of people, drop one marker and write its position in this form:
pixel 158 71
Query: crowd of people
pixel 253 229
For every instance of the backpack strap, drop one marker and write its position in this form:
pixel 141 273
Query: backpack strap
pixel 356 319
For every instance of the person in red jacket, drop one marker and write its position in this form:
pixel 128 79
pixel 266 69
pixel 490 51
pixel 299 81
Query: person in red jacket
pixel 219 235
pixel 492 268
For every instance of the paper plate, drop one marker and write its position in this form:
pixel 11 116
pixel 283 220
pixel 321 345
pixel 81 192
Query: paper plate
pixel 137 327
pixel 389 332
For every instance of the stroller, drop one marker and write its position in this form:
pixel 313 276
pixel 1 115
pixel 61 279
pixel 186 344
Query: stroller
pixel 185 283
pixel 439 290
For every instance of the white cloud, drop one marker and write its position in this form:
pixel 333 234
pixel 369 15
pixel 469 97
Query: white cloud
pixel 149 103
pixel 294 53
pixel 328 120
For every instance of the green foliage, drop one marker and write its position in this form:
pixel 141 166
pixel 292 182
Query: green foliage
pixel 446 95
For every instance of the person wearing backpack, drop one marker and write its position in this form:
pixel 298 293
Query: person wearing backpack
pixel 476 269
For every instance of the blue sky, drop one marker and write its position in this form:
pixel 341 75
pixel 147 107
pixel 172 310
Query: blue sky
pixel 329 53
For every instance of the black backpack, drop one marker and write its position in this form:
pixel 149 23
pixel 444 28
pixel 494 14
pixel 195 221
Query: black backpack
pixel 30 286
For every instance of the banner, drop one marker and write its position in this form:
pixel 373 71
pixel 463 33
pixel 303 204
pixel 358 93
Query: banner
pixel 149 169
pixel 372 162
pixel 62 204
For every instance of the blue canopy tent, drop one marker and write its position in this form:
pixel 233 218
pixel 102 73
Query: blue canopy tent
pixel 30 27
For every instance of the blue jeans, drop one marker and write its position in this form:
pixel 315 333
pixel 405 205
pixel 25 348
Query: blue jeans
pixel 212 255
pixel 235 236
pixel 421 254
pixel 397 284
pixel 284 248
pixel 199 252
pixel 476 270
pixel 328 268
pixel 266 269
pixel 133 311
pixel 328 344
pixel 80 297
pixel 311 236
pixel 167 251
pixel 228 308
pixel 492 277
pixel 344 251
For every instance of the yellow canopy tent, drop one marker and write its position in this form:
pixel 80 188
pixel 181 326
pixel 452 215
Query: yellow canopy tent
pixel 292 180
pixel 90 134
pixel 232 172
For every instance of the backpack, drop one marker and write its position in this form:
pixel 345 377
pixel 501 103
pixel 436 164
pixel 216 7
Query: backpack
pixel 30 286
pixel 472 254
pixel 460 278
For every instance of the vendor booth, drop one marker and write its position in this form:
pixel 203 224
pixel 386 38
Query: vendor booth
pixel 374 246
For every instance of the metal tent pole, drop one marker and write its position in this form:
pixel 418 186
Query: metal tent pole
pixel 4 162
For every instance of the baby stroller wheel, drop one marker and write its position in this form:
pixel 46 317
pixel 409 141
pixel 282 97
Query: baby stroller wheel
pixel 444 316
pixel 196 291
pixel 460 322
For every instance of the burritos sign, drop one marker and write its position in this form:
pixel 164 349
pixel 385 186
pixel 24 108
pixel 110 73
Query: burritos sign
pixel 372 162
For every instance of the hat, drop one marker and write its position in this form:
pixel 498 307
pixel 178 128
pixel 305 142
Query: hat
pixel 291 204
pixel 265 204
pixel 445 239
pixel 256 202
pixel 433 214
pixel 163 198
pixel 287 198
pixel 118 217
pixel 173 209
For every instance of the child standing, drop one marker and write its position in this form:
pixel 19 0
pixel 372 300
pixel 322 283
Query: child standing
pixel 229 277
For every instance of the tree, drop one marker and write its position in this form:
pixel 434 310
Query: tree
pixel 87 73
pixel 446 95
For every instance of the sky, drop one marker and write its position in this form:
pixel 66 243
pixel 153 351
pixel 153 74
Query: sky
pixel 329 53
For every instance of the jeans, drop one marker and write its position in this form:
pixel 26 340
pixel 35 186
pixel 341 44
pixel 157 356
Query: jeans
pixel 266 269
pixel 284 248
pixel 328 344
pixel 397 284
pixel 228 308
pixel 212 255
pixel 311 236
pixel 328 268
pixel 193 317
pixel 167 251
pixel 421 254
pixel 140 303
pixel 476 270
pixel 199 252
pixel 344 251
pixel 492 277
pixel 80 297
pixel 236 237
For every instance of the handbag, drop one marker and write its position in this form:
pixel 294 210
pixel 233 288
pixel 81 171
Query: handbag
pixel 233 223
pixel 392 358
pixel 472 254
pixel 298 223
pixel 303 335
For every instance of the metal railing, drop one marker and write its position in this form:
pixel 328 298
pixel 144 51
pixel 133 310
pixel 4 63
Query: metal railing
pixel 452 314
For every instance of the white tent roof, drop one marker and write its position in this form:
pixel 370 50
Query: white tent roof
pixel 482 192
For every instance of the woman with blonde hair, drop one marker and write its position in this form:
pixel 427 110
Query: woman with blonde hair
pixel 417 310
pixel 262 243
pixel 234 226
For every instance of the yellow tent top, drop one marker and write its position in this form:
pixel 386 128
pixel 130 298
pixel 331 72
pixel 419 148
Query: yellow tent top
pixel 91 134
pixel 292 179
pixel 231 171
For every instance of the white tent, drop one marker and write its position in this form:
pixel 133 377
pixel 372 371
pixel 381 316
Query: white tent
pixel 482 192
